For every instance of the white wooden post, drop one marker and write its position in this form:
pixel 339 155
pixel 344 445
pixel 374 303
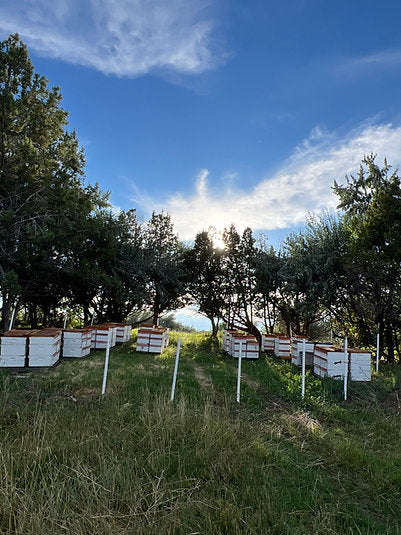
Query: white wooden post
pixel 10 326
pixel 346 368
pixel 106 362
pixel 177 357
pixel 377 347
pixel 303 368
pixel 239 373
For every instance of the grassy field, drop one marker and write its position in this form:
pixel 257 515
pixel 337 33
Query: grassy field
pixel 135 463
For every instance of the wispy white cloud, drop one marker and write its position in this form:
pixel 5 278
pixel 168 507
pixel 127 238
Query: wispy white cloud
pixel 302 186
pixel 384 58
pixel 121 37
pixel 369 63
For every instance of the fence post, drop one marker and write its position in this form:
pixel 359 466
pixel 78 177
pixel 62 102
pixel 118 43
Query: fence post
pixel 177 357
pixel 239 373
pixel 346 368
pixel 377 347
pixel 303 368
pixel 106 362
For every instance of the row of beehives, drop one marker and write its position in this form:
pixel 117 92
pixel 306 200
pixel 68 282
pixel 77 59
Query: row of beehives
pixel 23 347
pixel 152 338
pixel 326 360
pixel 237 344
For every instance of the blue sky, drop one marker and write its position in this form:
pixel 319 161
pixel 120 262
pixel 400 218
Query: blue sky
pixel 221 111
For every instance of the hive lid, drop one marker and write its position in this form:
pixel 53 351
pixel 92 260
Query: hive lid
pixel 20 333
pixel 46 333
pixel 357 350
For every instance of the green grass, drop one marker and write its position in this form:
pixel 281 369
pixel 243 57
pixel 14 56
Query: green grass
pixel 135 463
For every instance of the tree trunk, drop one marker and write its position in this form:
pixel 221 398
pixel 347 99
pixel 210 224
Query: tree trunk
pixel 5 312
pixel 215 327
pixel 389 343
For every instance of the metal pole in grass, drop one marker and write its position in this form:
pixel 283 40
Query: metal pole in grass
pixel 377 347
pixel 65 318
pixel 303 368
pixel 346 368
pixel 239 373
pixel 177 358
pixel 10 326
pixel 106 362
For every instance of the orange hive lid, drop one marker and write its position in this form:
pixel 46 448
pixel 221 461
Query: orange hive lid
pixel 46 333
pixel 20 332
pixel 330 349
pixel 84 330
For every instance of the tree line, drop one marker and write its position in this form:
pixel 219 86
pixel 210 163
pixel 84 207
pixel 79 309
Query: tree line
pixel 61 244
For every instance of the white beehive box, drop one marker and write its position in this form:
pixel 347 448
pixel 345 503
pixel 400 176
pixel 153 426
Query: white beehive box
pixel 282 346
pixel 359 364
pixel 246 344
pixel 100 334
pixel 152 340
pixel 296 352
pixel 44 348
pixel 76 342
pixel 123 332
pixel 268 343
pixel 329 362
pixel 14 348
pixel 227 336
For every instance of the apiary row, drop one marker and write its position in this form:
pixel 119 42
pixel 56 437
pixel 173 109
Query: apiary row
pixel 236 344
pixel 326 361
pixel 29 347
pixel 152 338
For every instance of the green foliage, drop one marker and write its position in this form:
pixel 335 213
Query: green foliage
pixel 204 267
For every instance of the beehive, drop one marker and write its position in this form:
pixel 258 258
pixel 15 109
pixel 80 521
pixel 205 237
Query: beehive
pixel 14 348
pixel 76 342
pixel 44 347
pixel 152 340
pixel 268 343
pixel 245 344
pixel 282 347
pixel 329 362
pixel 296 352
pixel 359 364
pixel 100 335
pixel 123 332
pixel 227 335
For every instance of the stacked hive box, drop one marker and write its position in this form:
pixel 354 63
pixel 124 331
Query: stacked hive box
pixel 14 348
pixel 282 347
pixel 152 340
pixel 227 339
pixel 296 351
pixel 244 344
pixel 234 343
pixel 76 342
pixel 268 343
pixel 359 364
pixel 100 334
pixel 329 362
pixel 44 347
pixel 123 332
